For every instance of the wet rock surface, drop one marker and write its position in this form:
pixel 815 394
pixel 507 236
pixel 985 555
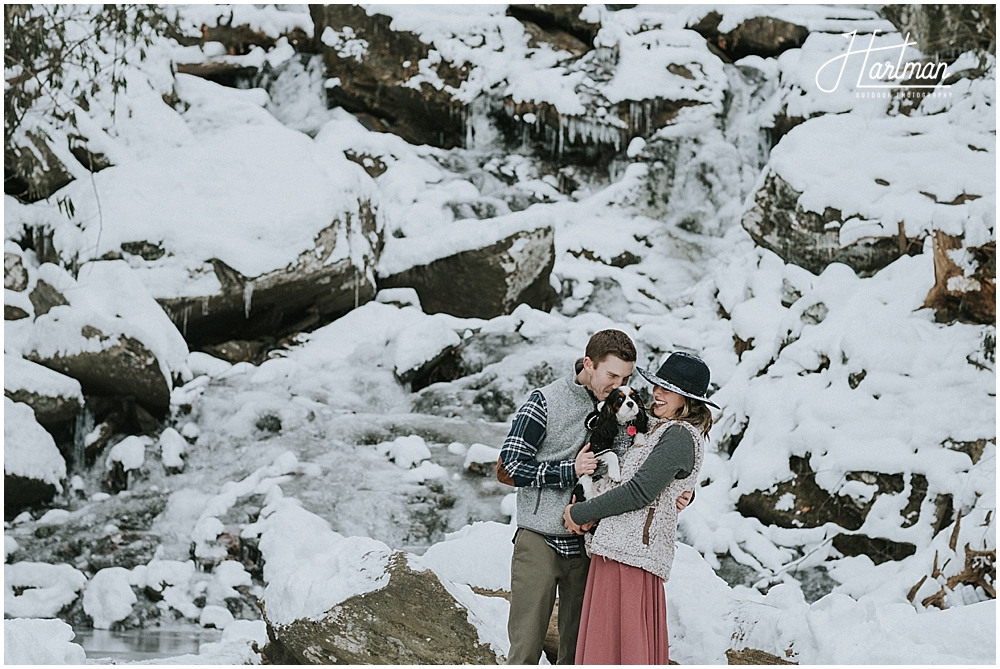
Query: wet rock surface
pixel 113 533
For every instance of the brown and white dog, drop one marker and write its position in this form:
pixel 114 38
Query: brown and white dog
pixel 622 408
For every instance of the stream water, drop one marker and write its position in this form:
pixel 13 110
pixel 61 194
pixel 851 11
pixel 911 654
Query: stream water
pixel 143 644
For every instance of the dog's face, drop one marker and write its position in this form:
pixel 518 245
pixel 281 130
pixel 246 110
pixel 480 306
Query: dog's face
pixel 624 404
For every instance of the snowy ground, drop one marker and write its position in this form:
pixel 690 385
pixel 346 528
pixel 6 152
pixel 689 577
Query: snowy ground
pixel 329 462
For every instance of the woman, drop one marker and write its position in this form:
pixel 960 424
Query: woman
pixel 624 618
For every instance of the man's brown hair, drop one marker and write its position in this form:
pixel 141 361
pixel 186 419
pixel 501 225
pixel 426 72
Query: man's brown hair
pixel 610 342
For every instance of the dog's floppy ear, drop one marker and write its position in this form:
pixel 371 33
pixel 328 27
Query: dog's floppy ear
pixel 642 418
pixel 591 420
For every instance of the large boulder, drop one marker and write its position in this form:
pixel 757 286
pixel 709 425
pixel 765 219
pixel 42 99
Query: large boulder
pixel 264 230
pixel 485 282
pixel 600 107
pixel 817 204
pixel 33 468
pixel 946 31
pixel 763 36
pixel 809 239
pixel 412 619
pixel 372 64
pixel 317 287
pixel 103 330
pixel 54 397
pixel 801 502
pixel 33 171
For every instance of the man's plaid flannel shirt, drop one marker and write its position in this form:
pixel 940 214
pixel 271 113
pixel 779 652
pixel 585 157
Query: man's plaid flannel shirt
pixel 518 455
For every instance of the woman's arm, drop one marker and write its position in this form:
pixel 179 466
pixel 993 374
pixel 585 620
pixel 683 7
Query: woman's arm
pixel 672 457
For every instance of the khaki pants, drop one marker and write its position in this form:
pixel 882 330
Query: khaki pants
pixel 536 572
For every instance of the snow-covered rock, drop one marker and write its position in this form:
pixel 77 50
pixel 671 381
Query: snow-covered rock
pixel 34 641
pixel 105 331
pixel 481 459
pixel 407 452
pixel 376 604
pixel 53 396
pixel 108 597
pixel 489 279
pixel 33 467
pixel 45 589
pixel 172 448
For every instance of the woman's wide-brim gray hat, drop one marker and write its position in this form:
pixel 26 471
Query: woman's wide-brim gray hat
pixel 684 374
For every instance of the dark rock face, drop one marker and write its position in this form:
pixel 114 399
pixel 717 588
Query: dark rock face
pixel 127 368
pixel 556 19
pixel 302 296
pixel 971 299
pixel 371 83
pixel 20 493
pixel 879 550
pixel 48 409
pixel 44 297
pixel 412 620
pixel 812 506
pixel 759 36
pixel 777 222
pixel 487 282
pixel 946 31
pixel 33 172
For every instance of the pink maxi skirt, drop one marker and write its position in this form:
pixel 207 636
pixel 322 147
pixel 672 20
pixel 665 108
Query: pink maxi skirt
pixel 624 618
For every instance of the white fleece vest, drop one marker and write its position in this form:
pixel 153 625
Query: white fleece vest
pixel 645 537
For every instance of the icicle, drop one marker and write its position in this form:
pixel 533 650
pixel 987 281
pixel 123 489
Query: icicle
pixel 184 324
pixel 82 426
pixel 247 298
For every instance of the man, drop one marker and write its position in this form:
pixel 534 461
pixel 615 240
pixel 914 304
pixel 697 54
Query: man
pixel 543 455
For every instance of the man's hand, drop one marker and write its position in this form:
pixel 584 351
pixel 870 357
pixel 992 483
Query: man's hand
pixel 684 499
pixel 586 462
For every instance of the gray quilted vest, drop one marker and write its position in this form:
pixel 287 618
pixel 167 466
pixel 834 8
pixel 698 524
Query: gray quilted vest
pixel 567 404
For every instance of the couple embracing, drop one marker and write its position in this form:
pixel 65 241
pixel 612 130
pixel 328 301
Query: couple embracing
pixel 612 606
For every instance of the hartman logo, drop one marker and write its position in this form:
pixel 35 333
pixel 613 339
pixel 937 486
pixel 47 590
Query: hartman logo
pixel 878 72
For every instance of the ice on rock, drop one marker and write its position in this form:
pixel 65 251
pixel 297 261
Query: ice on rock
pixel 420 344
pixel 407 452
pixel 508 506
pixel 10 546
pixel 205 364
pixel 172 448
pixel 130 452
pixel 35 641
pixel 190 431
pixel 480 454
pixel 215 616
pixel 46 588
pixel 108 597
pixel 424 471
